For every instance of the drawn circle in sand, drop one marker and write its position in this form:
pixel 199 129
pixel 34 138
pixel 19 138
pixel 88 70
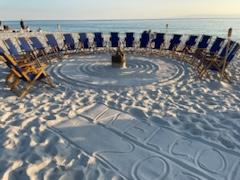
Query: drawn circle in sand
pixel 96 71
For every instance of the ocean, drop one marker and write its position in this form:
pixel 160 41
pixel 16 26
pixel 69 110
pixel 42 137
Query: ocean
pixel 216 27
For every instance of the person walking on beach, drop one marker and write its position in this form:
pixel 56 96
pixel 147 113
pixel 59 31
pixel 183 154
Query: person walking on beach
pixel 22 24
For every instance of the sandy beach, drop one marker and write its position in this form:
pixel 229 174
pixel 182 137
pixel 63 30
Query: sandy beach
pixel 152 120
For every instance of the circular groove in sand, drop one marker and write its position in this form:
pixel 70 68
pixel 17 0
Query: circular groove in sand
pixel 96 72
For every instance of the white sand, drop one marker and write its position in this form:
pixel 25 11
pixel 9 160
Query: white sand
pixel 154 120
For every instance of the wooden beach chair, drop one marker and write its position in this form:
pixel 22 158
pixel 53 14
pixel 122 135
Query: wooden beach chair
pixel 144 42
pixel 157 43
pixel 129 43
pixel 211 53
pixel 114 40
pixel 193 55
pixel 69 43
pixel 188 46
pixel 174 43
pixel 39 49
pixel 219 63
pixel 99 44
pixel 26 47
pixel 84 41
pixel 29 73
pixel 53 44
pixel 12 49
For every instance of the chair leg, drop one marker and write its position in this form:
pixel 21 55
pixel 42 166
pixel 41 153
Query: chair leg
pixel 26 89
pixel 50 82
pixel 14 85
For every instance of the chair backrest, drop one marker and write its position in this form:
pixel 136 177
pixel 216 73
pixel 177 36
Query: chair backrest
pixel 174 42
pixel 192 40
pixel 129 39
pixel 51 40
pixel 69 41
pixel 224 51
pixel 233 52
pixel 84 40
pixel 24 45
pixel 98 39
pixel 11 48
pixel 144 40
pixel 216 46
pixel 114 39
pixel 204 42
pixel 159 40
pixel 36 43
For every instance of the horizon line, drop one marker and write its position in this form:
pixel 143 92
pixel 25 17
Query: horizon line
pixel 119 19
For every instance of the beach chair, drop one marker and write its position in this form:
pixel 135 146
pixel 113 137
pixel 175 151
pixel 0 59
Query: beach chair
pixel 144 42
pixel 212 52
pixel 26 47
pixel 84 44
pixel 39 49
pixel 53 44
pixel 194 54
pixel 114 40
pixel 69 43
pixel 158 42
pixel 129 44
pixel 174 43
pixel 219 63
pixel 29 73
pixel 215 62
pixel 98 42
pixel 187 47
pixel 14 52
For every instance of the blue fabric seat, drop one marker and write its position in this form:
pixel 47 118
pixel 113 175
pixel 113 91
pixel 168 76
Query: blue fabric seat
pixel 69 43
pixel 84 41
pixel 114 39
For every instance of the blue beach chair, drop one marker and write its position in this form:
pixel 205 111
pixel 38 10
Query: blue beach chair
pixel 190 43
pixel 20 56
pixel 219 63
pixel 98 39
pixel 83 43
pixel 187 48
pixel 212 52
pixel 199 52
pixel 69 43
pixel 53 44
pixel 99 42
pixel 173 46
pixel 129 42
pixel 144 40
pixel 114 39
pixel 38 47
pixel 204 42
pixel 26 47
pixel 174 42
pixel 216 46
pixel 158 42
pixel 29 73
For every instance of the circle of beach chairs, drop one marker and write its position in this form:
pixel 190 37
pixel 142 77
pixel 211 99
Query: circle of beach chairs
pixel 206 54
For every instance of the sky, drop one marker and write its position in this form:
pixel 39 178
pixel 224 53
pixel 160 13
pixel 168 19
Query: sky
pixel 116 9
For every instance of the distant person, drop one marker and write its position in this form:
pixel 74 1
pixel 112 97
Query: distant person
pixel 22 25
pixel 1 26
pixel 39 30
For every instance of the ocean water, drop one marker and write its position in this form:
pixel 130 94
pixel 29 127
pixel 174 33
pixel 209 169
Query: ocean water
pixel 216 27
